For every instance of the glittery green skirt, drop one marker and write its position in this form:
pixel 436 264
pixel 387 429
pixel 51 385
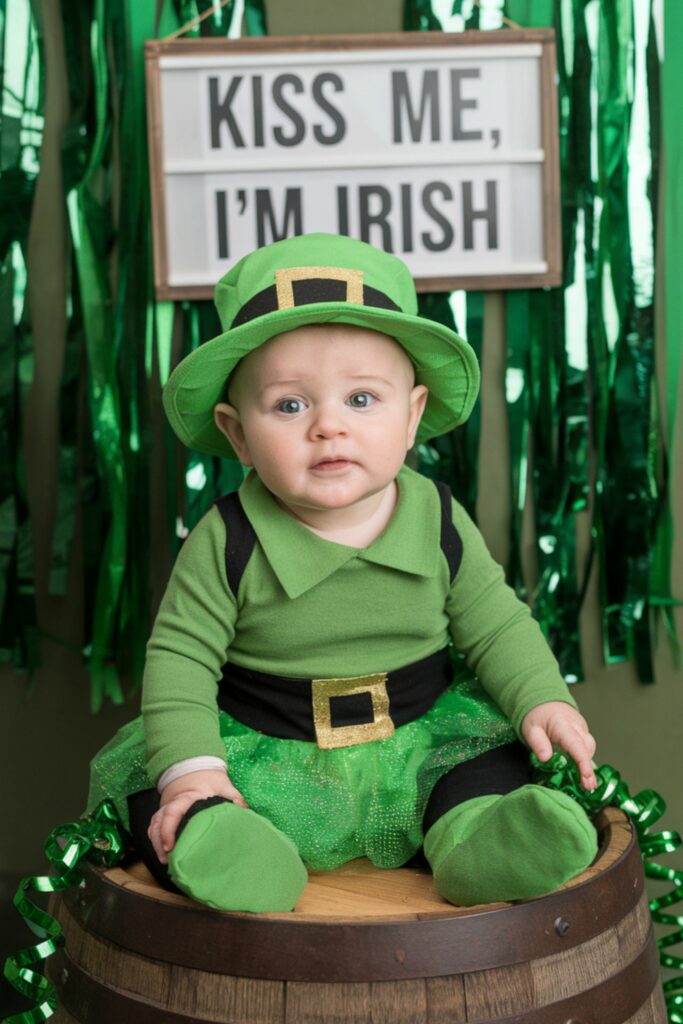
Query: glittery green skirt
pixel 366 800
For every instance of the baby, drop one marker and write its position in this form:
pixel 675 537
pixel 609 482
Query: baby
pixel 338 668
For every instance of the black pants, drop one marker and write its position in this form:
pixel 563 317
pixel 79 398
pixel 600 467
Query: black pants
pixel 497 771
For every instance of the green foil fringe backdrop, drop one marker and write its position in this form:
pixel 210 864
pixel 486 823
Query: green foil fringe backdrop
pixel 579 378
pixel 582 409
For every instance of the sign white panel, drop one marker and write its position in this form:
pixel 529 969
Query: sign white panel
pixel 443 154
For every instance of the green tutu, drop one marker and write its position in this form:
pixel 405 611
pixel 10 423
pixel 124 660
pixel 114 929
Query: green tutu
pixel 366 800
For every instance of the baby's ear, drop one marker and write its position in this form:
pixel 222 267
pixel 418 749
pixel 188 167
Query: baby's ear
pixel 227 419
pixel 418 400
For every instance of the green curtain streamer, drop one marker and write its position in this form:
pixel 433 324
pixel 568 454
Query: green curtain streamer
pixel 598 353
pixel 517 394
pixel 548 416
pixel 101 839
pixel 627 499
pixel 70 398
pixel 86 218
pixel 559 408
pixel 672 112
pixel 14 188
pixel 418 16
pixel 556 397
pixel 8 440
pixel 67 473
pixel 221 23
pixel 613 243
pixel 671 108
pixel 551 426
pixel 473 20
pixel 558 480
pixel 255 18
pixel 203 477
pixel 645 809
pixel 620 342
pixel 474 332
pixel 21 128
pixel 116 327
pixel 134 321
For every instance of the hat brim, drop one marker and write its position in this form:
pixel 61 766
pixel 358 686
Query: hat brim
pixel 444 362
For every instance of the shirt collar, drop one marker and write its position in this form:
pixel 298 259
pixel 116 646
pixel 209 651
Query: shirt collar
pixel 300 559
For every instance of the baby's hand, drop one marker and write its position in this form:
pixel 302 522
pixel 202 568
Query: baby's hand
pixel 178 797
pixel 558 723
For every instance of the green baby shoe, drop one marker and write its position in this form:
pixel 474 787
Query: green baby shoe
pixel 234 859
pixel 522 844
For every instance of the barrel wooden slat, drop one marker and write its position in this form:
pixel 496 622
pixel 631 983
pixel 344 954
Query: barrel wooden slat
pixel 561 976
pixel 397 1004
pixel 446 1000
pixel 499 992
pixel 405 957
pixel 121 969
pixel 447 1012
pixel 380 1002
pixel 223 998
pixel 633 930
pixel 654 1010
pixel 187 991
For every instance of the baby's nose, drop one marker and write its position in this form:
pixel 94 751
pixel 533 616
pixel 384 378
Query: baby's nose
pixel 329 420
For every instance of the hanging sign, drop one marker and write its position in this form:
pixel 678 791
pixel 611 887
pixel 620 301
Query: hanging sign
pixel 441 148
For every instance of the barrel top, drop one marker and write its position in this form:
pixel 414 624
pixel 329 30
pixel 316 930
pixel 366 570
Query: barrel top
pixel 371 918
pixel 359 890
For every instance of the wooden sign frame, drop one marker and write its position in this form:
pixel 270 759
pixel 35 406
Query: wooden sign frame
pixel 155 50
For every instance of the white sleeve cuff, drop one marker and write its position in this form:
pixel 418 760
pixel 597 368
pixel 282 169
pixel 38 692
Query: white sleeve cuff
pixel 190 764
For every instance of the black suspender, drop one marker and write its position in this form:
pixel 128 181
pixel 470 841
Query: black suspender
pixel 451 545
pixel 241 537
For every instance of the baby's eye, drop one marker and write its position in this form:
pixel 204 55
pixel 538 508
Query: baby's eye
pixel 290 405
pixel 361 399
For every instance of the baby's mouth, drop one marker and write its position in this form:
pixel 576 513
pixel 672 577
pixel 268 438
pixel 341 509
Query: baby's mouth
pixel 328 465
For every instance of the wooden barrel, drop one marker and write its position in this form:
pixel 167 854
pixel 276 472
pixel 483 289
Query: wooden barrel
pixel 365 946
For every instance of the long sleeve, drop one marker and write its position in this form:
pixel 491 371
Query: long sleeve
pixel 501 641
pixel 192 633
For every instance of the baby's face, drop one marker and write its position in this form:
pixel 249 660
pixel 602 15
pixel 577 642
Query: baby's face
pixel 325 414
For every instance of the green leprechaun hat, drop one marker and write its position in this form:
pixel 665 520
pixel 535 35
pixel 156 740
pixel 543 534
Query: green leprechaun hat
pixel 313 279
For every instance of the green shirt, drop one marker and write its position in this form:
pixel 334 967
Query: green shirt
pixel 312 608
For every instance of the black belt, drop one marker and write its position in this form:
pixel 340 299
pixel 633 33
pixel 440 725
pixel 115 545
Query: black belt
pixel 334 712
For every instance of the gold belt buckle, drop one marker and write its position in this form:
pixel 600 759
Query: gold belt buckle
pixel 328 736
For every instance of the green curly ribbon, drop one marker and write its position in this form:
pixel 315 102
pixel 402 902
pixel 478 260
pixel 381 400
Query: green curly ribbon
pixel 100 838
pixel 644 810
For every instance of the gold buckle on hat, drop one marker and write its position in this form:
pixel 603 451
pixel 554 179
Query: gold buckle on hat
pixel 329 737
pixel 284 282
